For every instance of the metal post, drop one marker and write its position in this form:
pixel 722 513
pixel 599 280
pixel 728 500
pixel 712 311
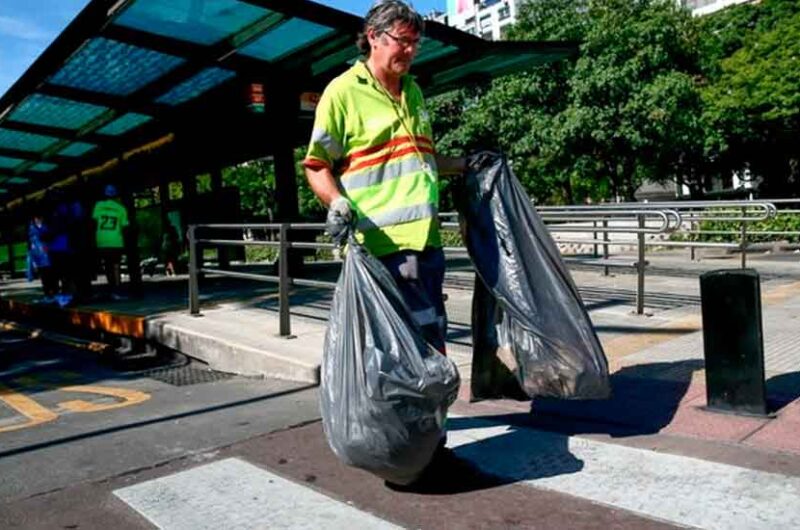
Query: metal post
pixel 12 258
pixel 194 288
pixel 605 245
pixel 283 286
pixel 640 265
pixel 594 236
pixel 743 244
pixel 692 228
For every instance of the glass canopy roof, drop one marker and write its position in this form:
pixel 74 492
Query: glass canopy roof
pixel 108 81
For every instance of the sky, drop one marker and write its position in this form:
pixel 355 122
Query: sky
pixel 27 27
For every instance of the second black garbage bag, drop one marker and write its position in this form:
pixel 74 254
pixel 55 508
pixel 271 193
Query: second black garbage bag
pixel 532 335
pixel 384 391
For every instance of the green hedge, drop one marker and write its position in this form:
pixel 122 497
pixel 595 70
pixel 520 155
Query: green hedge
pixel 780 223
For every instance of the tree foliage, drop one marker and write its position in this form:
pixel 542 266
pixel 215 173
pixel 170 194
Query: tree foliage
pixel 752 98
pixel 654 94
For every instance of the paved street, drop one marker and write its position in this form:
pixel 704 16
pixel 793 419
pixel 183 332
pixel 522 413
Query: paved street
pixel 87 442
pixel 67 416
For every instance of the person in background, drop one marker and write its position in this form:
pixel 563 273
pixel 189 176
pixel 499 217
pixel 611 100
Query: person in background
pixel 60 249
pixel 38 257
pixel 81 237
pixel 111 220
pixel 170 248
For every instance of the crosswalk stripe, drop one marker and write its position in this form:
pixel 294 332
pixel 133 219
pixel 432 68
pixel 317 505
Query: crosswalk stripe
pixel 678 489
pixel 234 494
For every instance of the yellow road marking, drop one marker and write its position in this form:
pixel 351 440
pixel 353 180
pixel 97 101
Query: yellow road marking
pixel 35 413
pixel 128 397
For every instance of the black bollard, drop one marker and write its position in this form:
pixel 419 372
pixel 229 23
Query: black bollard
pixel 733 341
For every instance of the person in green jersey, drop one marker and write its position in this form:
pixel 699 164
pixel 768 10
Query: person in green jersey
pixel 111 220
pixel 372 161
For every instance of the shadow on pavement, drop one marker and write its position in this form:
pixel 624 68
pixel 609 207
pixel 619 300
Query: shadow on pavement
pixel 503 455
pixel 644 400
pixel 782 389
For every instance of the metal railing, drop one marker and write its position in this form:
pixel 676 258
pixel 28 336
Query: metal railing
pixel 285 282
pixel 693 213
pixel 637 219
pixel 645 221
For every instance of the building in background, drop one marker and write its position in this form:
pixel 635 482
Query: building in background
pixel 704 7
pixel 489 19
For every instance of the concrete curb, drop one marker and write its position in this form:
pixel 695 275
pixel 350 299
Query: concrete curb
pixel 231 356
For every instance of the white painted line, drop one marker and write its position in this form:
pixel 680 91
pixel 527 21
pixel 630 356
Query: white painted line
pixel 233 494
pixel 681 490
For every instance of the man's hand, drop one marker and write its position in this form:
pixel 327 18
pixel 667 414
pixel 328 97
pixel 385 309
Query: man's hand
pixel 341 208
pixel 340 218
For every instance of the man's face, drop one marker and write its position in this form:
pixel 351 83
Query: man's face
pixel 394 50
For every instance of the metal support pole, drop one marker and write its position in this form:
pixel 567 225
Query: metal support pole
pixel 605 245
pixel 283 286
pixel 640 266
pixel 743 244
pixel 12 258
pixel 594 236
pixel 194 288
pixel 692 228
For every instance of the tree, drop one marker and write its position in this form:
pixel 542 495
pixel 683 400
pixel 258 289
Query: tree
pixel 752 99
pixel 256 183
pixel 626 110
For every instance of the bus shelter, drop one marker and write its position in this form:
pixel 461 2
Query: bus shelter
pixel 142 93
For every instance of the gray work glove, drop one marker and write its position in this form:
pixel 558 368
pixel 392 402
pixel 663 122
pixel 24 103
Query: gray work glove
pixel 340 219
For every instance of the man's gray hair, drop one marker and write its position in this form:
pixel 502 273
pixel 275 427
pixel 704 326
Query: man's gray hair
pixel 383 15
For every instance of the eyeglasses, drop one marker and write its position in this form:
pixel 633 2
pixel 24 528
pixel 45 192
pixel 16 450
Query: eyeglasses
pixel 403 41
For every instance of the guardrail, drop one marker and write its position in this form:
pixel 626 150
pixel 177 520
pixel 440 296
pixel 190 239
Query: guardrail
pixel 692 213
pixel 643 219
pixel 647 221
pixel 283 245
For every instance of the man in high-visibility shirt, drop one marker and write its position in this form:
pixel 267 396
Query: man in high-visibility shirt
pixel 111 218
pixel 371 158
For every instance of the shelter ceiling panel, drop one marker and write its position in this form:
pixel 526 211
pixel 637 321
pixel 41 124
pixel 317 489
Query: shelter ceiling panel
pixel 77 149
pixel 110 67
pixel 124 123
pixel 23 141
pixel 495 64
pixel 283 39
pixel 51 111
pixel 196 85
pixel 206 22
pixel 430 49
pixel 43 167
pixel 7 162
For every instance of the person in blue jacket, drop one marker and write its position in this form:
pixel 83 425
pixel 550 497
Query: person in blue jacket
pixel 39 256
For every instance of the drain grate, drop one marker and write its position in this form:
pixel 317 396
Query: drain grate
pixel 186 375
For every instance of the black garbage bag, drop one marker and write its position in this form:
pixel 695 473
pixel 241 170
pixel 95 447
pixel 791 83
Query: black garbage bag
pixel 532 335
pixel 384 391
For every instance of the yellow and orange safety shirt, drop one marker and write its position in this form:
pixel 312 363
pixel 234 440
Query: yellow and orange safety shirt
pixel 381 151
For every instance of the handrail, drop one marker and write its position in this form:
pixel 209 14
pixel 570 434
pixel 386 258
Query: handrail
pixel 649 219
pixel 694 211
